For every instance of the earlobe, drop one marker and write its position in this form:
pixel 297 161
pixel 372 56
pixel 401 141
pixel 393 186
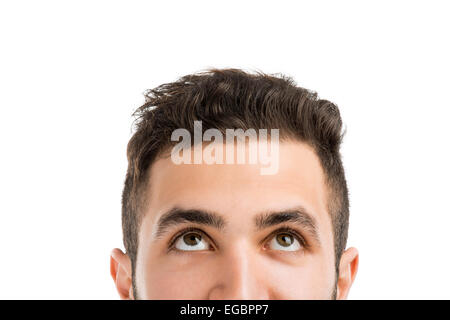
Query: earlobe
pixel 347 272
pixel 120 269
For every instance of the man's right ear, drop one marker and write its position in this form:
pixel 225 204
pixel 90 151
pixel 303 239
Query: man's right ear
pixel 120 268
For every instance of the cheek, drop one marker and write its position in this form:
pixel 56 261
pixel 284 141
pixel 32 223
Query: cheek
pixel 310 280
pixel 308 284
pixel 176 277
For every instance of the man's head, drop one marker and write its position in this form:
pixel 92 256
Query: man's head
pixel 224 230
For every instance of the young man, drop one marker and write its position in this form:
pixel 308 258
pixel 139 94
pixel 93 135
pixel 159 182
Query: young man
pixel 208 216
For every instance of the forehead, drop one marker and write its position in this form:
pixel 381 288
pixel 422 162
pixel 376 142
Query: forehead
pixel 239 191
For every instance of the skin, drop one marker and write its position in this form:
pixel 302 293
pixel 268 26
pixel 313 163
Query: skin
pixel 238 261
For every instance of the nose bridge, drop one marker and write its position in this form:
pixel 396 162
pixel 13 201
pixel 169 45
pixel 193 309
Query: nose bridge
pixel 239 277
pixel 238 274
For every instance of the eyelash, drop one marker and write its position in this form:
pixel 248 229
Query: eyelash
pixel 282 229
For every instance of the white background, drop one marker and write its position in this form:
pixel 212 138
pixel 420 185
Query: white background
pixel 72 72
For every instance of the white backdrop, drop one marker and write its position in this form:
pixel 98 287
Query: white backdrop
pixel 71 73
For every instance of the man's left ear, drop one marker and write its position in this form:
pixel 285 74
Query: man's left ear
pixel 347 272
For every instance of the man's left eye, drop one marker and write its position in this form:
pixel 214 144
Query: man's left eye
pixel 285 242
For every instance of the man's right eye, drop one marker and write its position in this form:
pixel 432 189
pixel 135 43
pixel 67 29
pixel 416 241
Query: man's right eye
pixel 191 241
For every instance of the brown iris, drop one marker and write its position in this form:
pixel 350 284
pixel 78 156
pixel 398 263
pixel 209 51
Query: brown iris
pixel 192 239
pixel 285 240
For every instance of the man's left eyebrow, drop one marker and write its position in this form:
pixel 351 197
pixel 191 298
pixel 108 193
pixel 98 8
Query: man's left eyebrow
pixel 297 215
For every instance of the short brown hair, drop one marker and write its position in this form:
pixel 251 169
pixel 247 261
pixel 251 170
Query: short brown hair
pixel 234 99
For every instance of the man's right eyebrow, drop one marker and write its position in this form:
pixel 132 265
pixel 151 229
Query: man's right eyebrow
pixel 177 216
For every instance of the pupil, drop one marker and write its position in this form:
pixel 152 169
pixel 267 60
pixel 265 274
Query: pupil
pixel 285 240
pixel 192 239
